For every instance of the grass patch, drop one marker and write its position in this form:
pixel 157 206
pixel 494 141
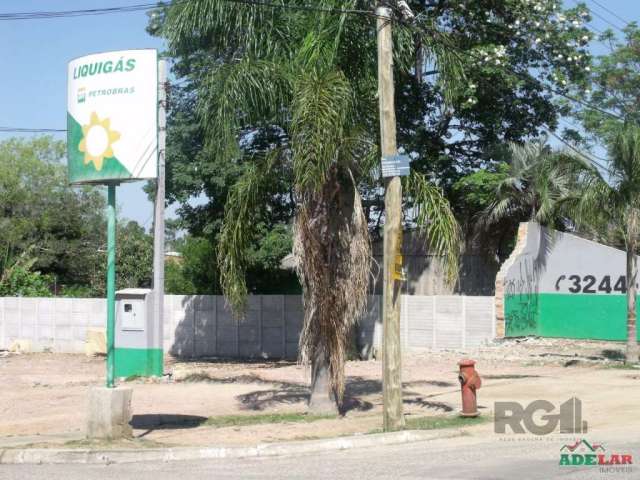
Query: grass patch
pixel 86 444
pixel 125 443
pixel 623 366
pixel 243 420
pixel 441 422
pixel 433 423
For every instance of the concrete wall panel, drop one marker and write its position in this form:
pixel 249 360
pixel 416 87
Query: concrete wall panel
pixel 203 326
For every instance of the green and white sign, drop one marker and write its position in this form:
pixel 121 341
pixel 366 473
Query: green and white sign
pixel 112 103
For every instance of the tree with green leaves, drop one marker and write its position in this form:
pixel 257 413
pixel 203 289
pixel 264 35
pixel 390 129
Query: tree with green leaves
pixel 47 226
pixel 502 53
pixel 614 203
pixel 472 196
pixel 614 88
pixel 19 280
pixel 537 181
pixel 513 54
pixel 192 273
pixel 134 259
pixel 289 95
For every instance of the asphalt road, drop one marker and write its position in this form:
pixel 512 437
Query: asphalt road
pixel 459 458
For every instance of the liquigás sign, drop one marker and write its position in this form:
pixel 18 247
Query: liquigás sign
pixel 112 102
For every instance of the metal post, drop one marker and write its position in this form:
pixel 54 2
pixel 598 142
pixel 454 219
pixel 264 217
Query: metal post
pixel 111 282
pixel 393 418
pixel 158 224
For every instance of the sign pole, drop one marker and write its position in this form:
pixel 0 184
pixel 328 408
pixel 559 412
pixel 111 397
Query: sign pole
pixel 112 137
pixel 111 282
pixel 158 223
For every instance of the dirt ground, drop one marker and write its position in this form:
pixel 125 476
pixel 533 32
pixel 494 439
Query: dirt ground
pixel 44 396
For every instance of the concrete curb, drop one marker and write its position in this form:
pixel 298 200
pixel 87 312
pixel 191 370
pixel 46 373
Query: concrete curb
pixel 88 456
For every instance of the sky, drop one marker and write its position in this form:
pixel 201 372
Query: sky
pixel 35 53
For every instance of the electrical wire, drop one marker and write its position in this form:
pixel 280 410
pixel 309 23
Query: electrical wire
pixel 573 126
pixel 30 130
pixel 524 75
pixel 611 12
pixel 591 160
pixel 38 15
pixel 74 13
pixel 596 30
pixel 536 81
pixel 601 17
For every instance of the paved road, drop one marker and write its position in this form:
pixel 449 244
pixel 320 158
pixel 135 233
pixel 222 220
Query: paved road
pixel 461 458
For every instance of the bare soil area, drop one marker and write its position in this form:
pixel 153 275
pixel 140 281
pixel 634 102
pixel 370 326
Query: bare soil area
pixel 44 396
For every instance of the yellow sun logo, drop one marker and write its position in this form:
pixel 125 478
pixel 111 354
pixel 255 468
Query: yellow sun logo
pixel 97 141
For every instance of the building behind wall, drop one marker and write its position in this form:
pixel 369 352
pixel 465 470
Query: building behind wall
pixel 426 273
pixel 557 284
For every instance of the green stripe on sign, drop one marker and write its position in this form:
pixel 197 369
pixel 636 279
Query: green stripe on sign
pixel 597 317
pixel 79 171
pixel 144 362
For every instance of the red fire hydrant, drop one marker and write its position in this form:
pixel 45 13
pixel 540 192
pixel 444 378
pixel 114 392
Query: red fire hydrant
pixel 469 382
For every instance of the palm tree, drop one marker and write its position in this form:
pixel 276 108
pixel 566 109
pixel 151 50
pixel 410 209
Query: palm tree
pixel 614 203
pixel 306 76
pixel 537 182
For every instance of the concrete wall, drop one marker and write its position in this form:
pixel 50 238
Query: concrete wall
pixel 202 326
pixel 557 284
pixel 426 272
pixel 56 324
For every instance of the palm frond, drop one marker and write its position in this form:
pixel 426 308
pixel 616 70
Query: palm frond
pixel 241 93
pixel 230 27
pixel 238 229
pixel 436 221
pixel 625 161
pixel 321 115
pixel 319 48
pixel 439 50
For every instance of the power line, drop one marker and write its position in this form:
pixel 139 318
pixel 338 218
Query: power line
pixel 31 130
pixel 594 29
pixel 601 17
pixel 611 12
pixel 576 150
pixel 74 13
pixel 573 126
pixel 524 75
pixel 38 15
pixel 527 77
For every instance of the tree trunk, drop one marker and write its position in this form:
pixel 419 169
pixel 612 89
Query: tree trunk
pixel 331 243
pixel 632 274
pixel 322 399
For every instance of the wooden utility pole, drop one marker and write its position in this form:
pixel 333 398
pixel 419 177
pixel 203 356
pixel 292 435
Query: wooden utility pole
pixel 391 355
